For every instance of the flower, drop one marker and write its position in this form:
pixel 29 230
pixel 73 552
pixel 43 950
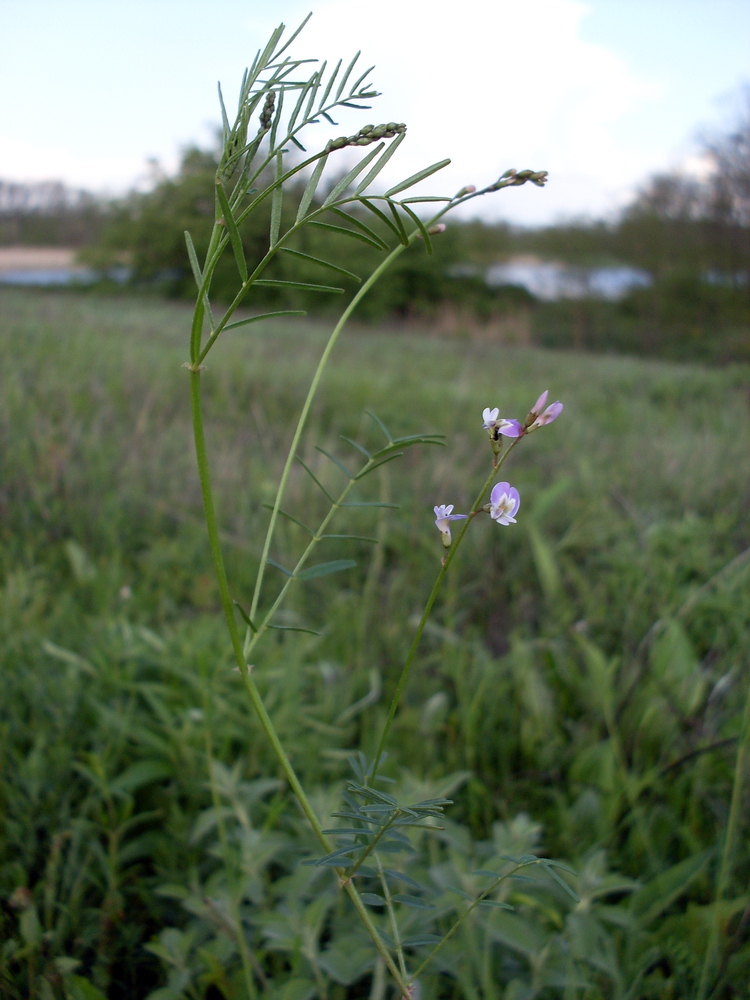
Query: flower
pixel 504 503
pixel 496 425
pixel 538 419
pixel 443 516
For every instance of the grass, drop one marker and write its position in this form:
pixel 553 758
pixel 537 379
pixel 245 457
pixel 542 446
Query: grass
pixel 579 692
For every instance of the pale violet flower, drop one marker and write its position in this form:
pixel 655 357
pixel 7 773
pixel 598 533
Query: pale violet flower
pixel 496 425
pixel 537 418
pixel 443 517
pixel 504 503
pixel 537 408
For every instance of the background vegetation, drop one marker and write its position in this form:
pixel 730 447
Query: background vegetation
pixel 580 693
pixel 690 237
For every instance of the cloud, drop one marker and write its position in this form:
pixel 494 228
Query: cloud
pixel 492 84
pixel 495 84
pixel 34 161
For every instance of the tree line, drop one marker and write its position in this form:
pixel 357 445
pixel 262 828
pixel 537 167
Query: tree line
pixel 690 235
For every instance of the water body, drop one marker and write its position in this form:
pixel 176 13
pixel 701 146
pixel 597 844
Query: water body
pixel 552 281
pixel 545 280
pixel 50 277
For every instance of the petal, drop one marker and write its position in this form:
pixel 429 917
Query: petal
pixel 552 412
pixel 540 403
pixel 510 428
pixel 497 491
pixel 515 496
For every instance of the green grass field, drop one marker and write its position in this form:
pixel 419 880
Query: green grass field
pixel 579 692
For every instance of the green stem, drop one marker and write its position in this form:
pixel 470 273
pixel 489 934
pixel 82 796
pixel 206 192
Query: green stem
pixel 336 505
pixel 196 332
pixel 428 608
pixel 727 857
pixel 373 844
pixel 250 687
pixel 392 918
pixel 469 910
pixel 306 410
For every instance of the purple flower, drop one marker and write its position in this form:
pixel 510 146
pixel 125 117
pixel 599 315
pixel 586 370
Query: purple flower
pixel 537 418
pixel 443 516
pixel 552 412
pixel 496 425
pixel 504 503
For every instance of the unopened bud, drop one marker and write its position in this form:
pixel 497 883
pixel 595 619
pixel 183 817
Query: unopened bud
pixel 469 189
pixel 366 135
pixel 266 114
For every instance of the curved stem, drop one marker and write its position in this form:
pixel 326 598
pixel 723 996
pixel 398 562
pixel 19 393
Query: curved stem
pixel 306 410
pixel 395 933
pixel 262 627
pixel 469 910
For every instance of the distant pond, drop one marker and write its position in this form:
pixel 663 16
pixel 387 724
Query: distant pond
pixel 49 277
pixel 551 281
pixel 49 267
pixel 39 267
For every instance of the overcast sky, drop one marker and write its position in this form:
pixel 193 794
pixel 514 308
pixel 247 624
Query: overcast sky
pixel 601 93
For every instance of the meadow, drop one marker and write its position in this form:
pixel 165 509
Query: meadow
pixel 581 692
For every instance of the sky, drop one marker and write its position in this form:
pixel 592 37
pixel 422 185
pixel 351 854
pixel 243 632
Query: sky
pixel 601 93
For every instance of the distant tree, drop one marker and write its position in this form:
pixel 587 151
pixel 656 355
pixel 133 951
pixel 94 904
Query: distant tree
pixel 696 226
pixel 663 230
pixel 728 200
pixel 49 213
pixel 146 230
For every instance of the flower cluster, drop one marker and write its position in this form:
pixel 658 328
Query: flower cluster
pixel 495 425
pixel 537 418
pixel 504 498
